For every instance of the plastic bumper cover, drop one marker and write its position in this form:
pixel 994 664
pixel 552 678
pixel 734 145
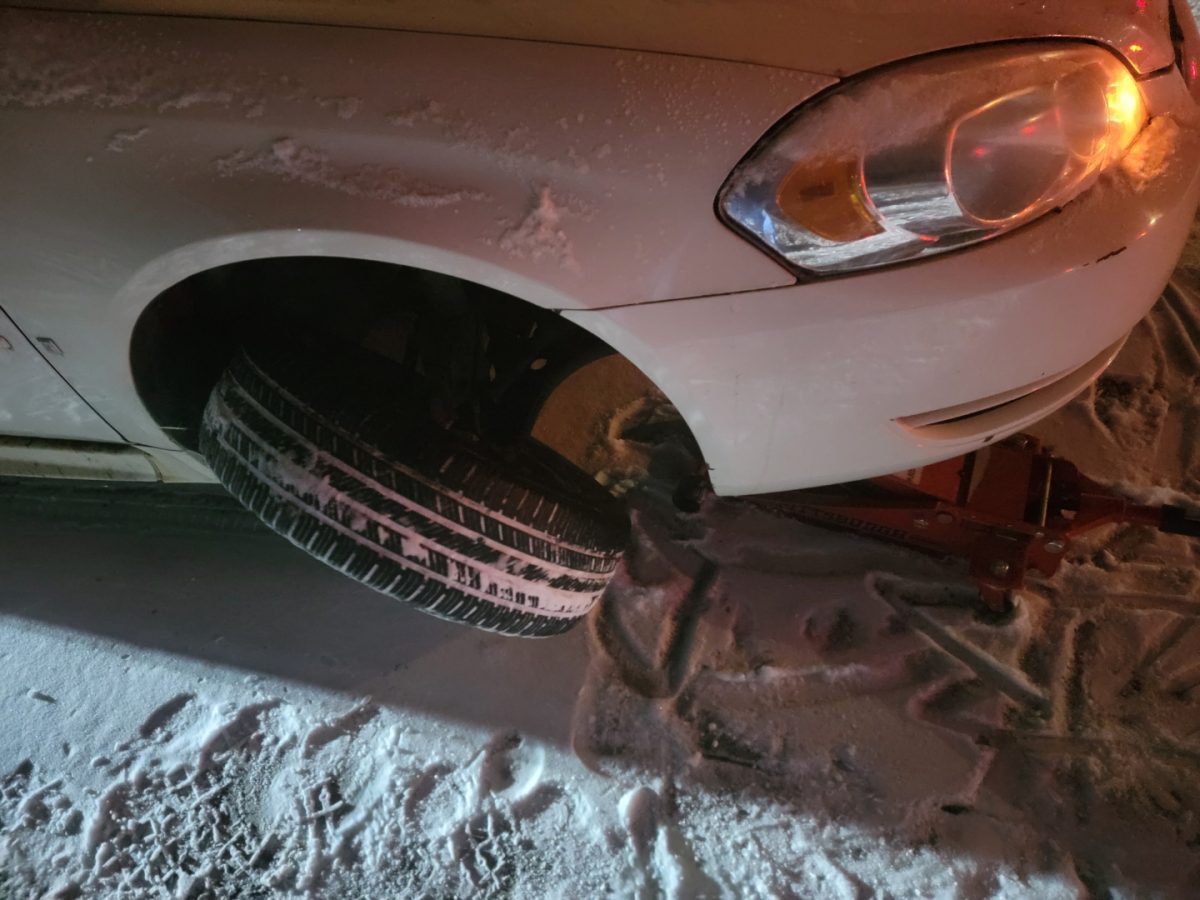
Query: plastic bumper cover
pixel 850 378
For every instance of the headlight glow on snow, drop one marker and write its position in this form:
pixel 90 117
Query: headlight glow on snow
pixel 935 154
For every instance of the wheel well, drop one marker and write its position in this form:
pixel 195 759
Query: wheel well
pixel 483 358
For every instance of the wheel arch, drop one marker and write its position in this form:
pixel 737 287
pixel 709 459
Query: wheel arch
pixel 161 282
pixel 156 277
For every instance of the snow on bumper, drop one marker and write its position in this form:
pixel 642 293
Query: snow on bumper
pixel 849 378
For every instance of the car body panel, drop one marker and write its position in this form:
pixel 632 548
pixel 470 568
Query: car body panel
pixel 34 399
pixel 145 149
pixel 834 38
pixel 26 457
pixel 803 385
pixel 1189 46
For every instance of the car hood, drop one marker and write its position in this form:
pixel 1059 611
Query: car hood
pixel 830 37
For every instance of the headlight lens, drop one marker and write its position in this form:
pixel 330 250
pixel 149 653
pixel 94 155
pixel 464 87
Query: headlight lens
pixel 935 154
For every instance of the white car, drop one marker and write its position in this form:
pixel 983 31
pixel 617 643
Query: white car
pixel 337 255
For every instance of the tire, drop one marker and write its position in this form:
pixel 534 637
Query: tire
pixel 512 540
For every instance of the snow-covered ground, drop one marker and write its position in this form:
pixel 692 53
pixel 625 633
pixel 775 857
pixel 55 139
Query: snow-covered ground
pixel 192 708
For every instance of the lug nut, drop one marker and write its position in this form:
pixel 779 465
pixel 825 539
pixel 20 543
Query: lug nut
pixel 1054 547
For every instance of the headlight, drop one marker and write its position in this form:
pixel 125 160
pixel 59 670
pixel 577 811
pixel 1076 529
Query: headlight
pixel 932 155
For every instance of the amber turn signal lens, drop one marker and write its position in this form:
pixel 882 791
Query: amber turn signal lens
pixel 827 198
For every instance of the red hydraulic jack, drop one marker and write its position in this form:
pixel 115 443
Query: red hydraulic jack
pixel 1009 510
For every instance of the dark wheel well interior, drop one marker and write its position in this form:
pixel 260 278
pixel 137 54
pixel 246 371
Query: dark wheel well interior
pixel 480 358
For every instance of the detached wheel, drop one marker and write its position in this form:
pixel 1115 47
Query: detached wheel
pixel 514 540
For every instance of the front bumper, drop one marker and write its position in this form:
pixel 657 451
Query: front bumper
pixel 851 378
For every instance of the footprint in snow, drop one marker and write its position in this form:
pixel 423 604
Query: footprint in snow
pixel 639 811
pixel 510 765
pixel 158 720
pixel 348 725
